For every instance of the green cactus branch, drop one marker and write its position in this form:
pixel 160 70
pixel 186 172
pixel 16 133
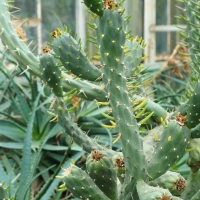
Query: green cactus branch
pixel 172 181
pixel 12 43
pixel 168 149
pixel 111 39
pixel 73 58
pixel 106 179
pixel 81 185
pixel 190 39
pixel 71 128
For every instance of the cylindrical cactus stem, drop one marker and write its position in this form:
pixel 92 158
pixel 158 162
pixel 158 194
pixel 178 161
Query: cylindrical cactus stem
pixel 51 73
pixel 102 171
pixel 133 57
pixel 96 6
pixel 3 193
pixel 195 132
pixel 147 192
pixel 71 128
pixel 14 44
pixel 81 185
pixel 172 181
pixel 193 114
pixel 196 196
pixel 170 146
pixel 111 38
pixel 73 58
pixel 192 18
pixel 86 90
pixel 193 183
pixel 194 154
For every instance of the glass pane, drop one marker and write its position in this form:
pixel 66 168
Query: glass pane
pixel 175 37
pixel 161 19
pixel 28 8
pixel 166 14
pixel 135 9
pixel 54 15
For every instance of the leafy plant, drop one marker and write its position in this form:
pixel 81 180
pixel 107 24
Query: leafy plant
pixel 152 140
pixel 26 130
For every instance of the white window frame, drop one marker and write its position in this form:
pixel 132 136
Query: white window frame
pixel 150 29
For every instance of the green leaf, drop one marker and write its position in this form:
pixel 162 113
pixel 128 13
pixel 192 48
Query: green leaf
pixel 23 107
pixel 27 157
pixel 5 105
pixel 11 130
pixel 11 145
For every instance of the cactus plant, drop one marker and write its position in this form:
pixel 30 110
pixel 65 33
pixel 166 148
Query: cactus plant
pixel 142 169
pixel 51 72
pixel 87 188
pixel 3 192
pixel 172 181
pixel 101 169
pixel 70 54
pixel 118 161
pixel 148 192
